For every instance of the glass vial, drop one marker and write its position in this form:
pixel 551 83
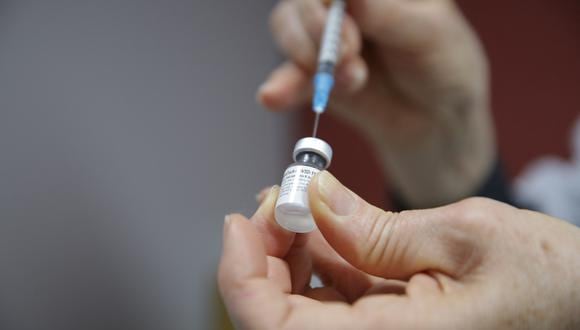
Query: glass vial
pixel 311 155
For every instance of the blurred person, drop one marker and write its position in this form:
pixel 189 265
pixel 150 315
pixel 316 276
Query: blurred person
pixel 413 79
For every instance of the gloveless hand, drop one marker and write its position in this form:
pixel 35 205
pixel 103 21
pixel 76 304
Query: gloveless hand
pixel 476 264
pixel 412 78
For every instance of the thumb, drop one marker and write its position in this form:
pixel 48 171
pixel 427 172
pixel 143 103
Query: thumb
pixel 392 245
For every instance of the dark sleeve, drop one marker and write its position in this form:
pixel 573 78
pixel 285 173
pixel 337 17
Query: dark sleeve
pixel 495 186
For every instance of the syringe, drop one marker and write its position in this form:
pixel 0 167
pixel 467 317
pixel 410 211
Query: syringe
pixel 329 51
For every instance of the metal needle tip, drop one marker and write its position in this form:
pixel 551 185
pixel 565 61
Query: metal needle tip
pixel 316 121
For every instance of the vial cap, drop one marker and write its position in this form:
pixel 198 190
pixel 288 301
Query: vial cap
pixel 315 145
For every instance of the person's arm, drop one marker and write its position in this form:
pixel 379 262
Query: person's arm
pixel 476 264
pixel 413 78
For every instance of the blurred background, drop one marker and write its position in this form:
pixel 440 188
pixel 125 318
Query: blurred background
pixel 128 129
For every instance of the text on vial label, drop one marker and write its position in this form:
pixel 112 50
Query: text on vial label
pixel 296 180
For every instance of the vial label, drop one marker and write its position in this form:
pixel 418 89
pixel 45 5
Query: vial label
pixel 294 187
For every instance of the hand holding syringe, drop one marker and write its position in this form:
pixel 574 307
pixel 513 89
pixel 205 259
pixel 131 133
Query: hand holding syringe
pixel 405 68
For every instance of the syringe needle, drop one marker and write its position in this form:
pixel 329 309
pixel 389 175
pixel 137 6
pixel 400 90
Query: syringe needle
pixel 316 121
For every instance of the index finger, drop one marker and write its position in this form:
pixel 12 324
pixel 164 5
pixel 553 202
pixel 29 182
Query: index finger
pixel 277 240
pixel 251 298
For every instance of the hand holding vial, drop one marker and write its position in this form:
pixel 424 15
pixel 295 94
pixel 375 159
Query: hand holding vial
pixel 473 264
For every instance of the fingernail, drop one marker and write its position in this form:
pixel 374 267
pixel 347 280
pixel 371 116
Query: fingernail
pixel 272 189
pixel 267 87
pixel 266 207
pixel 264 193
pixel 357 75
pixel 267 94
pixel 339 199
pixel 352 76
pixel 227 221
pixel 263 87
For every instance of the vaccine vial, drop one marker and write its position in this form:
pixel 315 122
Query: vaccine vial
pixel 311 155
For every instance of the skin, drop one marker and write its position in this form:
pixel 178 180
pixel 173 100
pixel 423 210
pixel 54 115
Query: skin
pixel 412 78
pixel 476 264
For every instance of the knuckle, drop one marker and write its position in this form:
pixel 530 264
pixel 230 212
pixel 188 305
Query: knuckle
pixel 475 209
pixel 313 18
pixel 279 14
pixel 350 33
pixel 275 16
pixel 289 33
pixel 477 214
pixel 476 202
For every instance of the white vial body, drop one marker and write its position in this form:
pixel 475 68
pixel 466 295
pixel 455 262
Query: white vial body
pixel 292 210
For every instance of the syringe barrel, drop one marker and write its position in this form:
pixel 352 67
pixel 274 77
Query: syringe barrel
pixel 331 39
pixel 326 67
